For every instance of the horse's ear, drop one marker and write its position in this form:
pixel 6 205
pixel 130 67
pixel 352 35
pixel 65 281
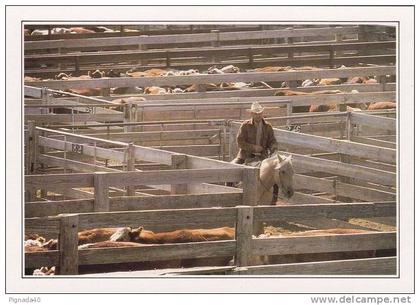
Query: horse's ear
pixel 279 157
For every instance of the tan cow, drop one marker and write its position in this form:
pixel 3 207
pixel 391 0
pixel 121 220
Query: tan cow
pixel 382 105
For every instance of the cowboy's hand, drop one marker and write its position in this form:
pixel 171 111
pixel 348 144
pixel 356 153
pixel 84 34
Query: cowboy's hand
pixel 258 148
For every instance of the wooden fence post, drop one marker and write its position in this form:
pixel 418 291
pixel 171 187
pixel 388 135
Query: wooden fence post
pixel 127 117
pixel 349 126
pixel 382 81
pixel 131 165
pixel 332 55
pixel 215 43
pixel 243 235
pixel 30 194
pixel 68 245
pixel 250 193
pixel 338 39
pixel 179 162
pixel 32 148
pixel 250 185
pixel 362 36
pixel 143 61
pixel 101 202
pixel 233 146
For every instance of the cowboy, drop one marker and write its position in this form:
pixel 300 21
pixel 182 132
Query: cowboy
pixel 256 140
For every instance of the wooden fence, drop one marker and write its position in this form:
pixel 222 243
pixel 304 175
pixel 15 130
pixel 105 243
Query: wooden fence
pixel 217 37
pixel 214 78
pixel 380 53
pixel 243 248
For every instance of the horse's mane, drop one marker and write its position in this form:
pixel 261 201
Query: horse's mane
pixel 274 156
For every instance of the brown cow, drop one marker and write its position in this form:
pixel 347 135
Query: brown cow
pixel 330 81
pixel 154 90
pixel 272 69
pixel 292 93
pixel 32 79
pixel 361 80
pixel 205 87
pixel 382 105
pixel 42 246
pixel 181 236
pixel 147 73
pixel 323 108
pixel 86 91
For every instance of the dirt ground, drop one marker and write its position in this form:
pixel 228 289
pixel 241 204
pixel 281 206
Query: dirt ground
pixel 384 224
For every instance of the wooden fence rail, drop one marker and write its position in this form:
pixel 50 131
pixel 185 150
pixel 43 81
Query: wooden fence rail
pixel 169 56
pixel 212 78
pixel 331 145
pixel 186 38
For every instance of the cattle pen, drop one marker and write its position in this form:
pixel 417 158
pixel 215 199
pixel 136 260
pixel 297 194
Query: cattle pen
pixel 129 159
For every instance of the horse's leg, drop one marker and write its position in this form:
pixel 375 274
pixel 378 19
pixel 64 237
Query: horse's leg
pixel 275 194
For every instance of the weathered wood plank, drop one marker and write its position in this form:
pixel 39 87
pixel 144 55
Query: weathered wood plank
pixel 384 123
pixel 169 39
pixel 62 180
pixel 375 142
pixel 174 177
pixel 109 56
pixel 364 193
pixel 213 78
pixel 101 199
pixel 262 92
pixel 367 266
pixel 157 252
pixel 208 188
pixel 89 150
pixel 332 145
pixel 32 91
pixel 197 150
pixel 51 208
pixel 161 220
pixel 39 259
pixel 325 243
pixel 68 242
pixel 314 183
pixel 307 163
pixel 243 235
pixel 175 202
pixel 69 118
pixel 335 210
pixel 47 227
pixel 301 198
pixel 166 135
pixel 73 165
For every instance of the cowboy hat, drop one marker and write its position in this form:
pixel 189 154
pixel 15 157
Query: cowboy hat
pixel 256 108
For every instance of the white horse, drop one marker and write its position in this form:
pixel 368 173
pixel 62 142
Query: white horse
pixel 278 170
pixel 274 170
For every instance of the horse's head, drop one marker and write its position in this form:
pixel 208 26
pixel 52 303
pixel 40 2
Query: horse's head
pixel 283 175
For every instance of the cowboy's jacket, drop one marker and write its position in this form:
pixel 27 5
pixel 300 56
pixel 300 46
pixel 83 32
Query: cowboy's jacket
pixel 246 139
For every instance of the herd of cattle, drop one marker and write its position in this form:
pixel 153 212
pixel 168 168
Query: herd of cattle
pixel 155 90
pixel 73 30
pixel 139 237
